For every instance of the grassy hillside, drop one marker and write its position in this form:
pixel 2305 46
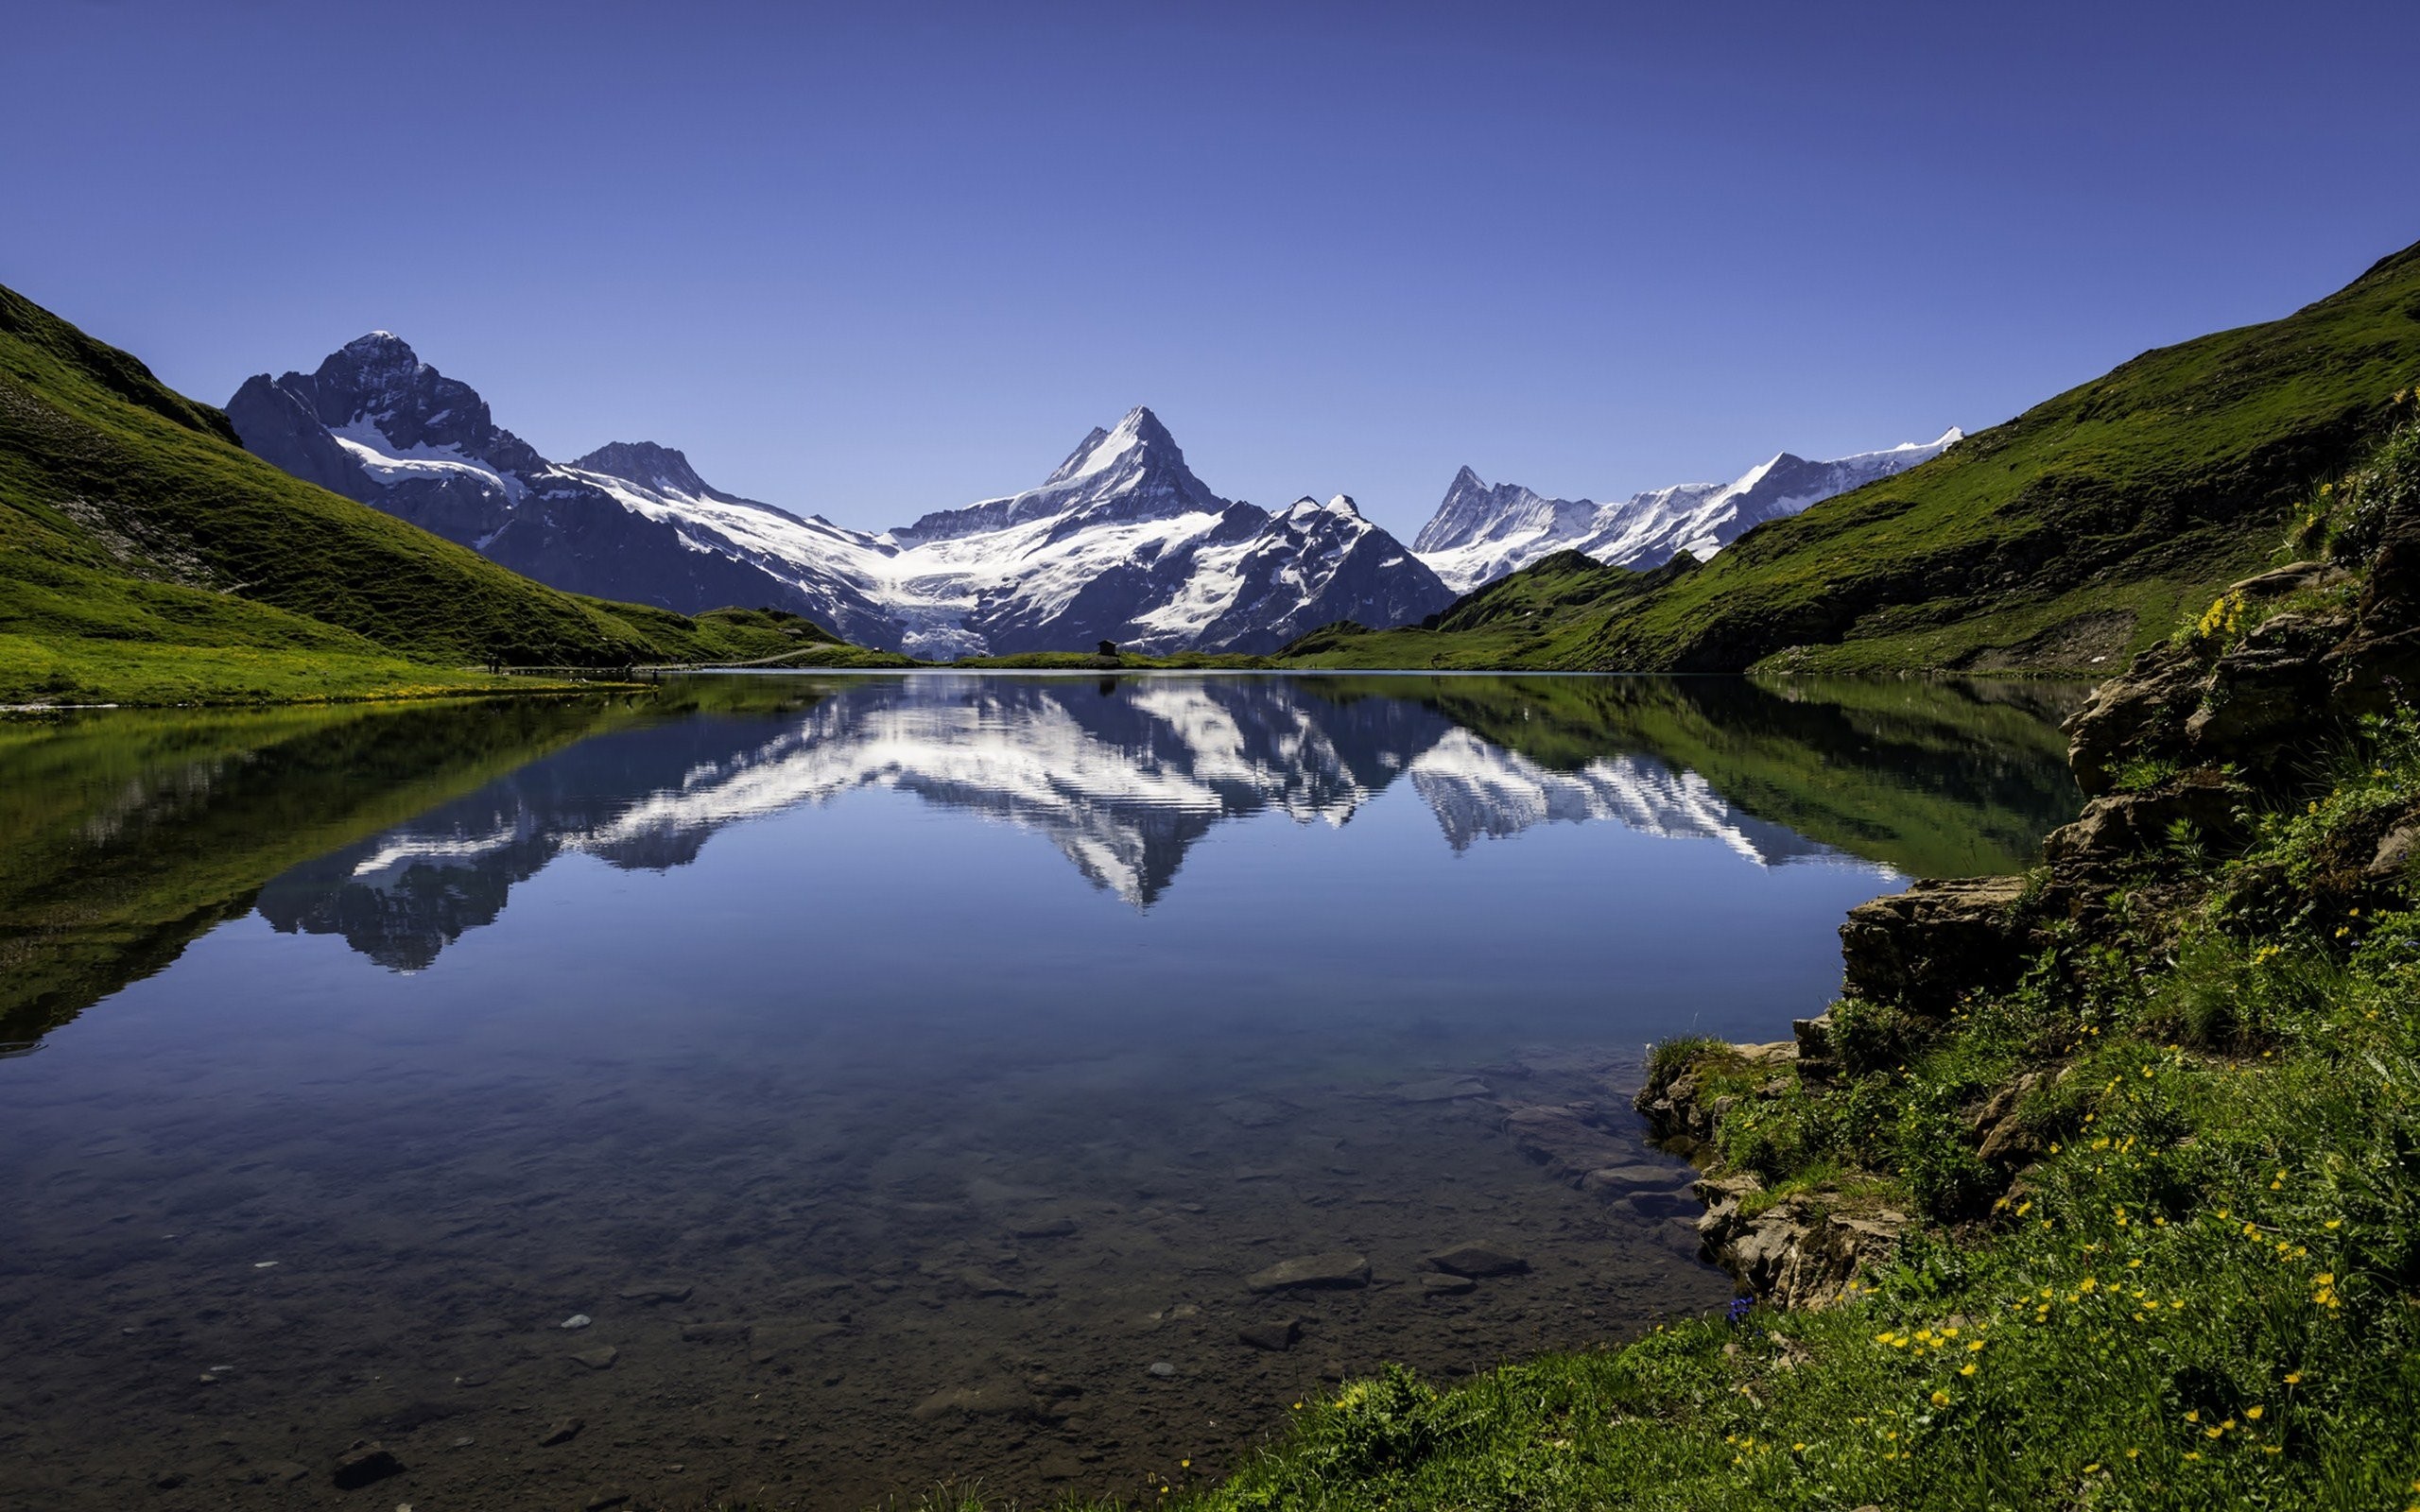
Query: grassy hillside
pixel 146 556
pixel 2062 541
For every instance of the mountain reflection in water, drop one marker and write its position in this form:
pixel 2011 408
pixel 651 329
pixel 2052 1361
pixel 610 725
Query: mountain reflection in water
pixel 139 830
pixel 1123 778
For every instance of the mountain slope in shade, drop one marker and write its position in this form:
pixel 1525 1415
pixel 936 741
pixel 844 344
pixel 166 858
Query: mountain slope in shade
pixel 1479 533
pixel 1121 542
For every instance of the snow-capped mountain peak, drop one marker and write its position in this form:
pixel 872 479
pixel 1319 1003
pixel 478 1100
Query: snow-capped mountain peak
pixel 1479 533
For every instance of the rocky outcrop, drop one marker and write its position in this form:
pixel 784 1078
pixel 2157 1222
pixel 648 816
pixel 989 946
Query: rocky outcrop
pixel 2201 806
pixel 1804 1251
pixel 1921 949
pixel 2245 705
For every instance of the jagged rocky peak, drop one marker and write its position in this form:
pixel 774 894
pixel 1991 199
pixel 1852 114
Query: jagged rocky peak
pixel 1134 470
pixel 377 383
pixel 647 464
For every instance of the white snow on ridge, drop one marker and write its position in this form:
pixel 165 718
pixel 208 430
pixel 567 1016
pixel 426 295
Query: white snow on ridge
pixel 389 463
pixel 1648 529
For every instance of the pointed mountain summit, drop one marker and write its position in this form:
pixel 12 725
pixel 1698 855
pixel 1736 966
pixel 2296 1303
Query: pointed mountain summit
pixel 1132 471
pixel 1480 533
pixel 662 468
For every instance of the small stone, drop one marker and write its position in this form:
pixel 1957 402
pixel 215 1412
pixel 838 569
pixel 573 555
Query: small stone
pixel 1275 1337
pixel 1447 1286
pixel 578 1320
pixel 463 1442
pixel 464 1383
pixel 1478 1259
pixel 600 1358
pixel 258 1264
pixel 1163 1369
pixel 1336 1268
pixel 651 1294
pixel 602 1500
pixel 360 1467
pixel 713 1332
pixel 562 1431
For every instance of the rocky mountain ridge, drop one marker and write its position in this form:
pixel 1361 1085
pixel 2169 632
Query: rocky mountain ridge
pixel 1480 532
pixel 1121 542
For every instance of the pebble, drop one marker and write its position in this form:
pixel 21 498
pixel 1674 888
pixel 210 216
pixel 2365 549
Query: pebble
pixel 258 1264
pixel 563 1431
pixel 578 1320
pixel 1163 1369
pixel 1447 1286
pixel 463 1442
pixel 598 1359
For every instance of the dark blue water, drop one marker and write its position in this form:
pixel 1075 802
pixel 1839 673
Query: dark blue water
pixel 943 1052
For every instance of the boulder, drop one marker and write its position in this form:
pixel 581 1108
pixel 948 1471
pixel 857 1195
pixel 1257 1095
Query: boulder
pixel 1568 1139
pixel 2125 825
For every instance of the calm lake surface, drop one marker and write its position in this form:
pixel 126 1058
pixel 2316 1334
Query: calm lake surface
pixel 901 1076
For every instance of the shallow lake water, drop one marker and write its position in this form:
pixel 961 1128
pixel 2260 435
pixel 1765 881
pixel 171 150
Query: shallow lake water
pixel 903 1077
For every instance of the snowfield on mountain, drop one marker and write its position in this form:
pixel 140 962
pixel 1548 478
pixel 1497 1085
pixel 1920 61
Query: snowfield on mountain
pixel 1122 543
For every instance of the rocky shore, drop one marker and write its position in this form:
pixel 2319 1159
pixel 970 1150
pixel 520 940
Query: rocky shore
pixel 2177 755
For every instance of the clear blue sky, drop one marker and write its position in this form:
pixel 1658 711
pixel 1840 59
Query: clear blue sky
pixel 876 260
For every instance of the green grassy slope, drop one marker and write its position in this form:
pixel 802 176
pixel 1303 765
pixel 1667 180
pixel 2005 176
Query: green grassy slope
pixel 2061 541
pixel 144 555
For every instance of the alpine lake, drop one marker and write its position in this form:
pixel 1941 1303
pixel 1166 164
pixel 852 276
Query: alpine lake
pixel 806 1090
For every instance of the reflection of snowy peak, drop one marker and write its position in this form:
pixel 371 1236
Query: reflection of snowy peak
pixel 1122 780
pixel 1479 533
pixel 1122 543
pixel 1479 790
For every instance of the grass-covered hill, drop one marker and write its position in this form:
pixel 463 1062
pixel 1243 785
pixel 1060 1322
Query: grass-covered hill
pixel 2060 541
pixel 146 556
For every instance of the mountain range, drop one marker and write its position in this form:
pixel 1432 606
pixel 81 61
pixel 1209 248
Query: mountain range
pixel 1121 542
pixel 1480 532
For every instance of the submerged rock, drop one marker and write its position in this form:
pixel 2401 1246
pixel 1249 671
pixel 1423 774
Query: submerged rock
pixel 1276 1337
pixel 1338 1268
pixel 1478 1259
pixel 360 1467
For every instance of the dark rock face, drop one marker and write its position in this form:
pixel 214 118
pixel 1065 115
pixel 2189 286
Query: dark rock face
pixel 2293 675
pixel 1919 950
pixel 2201 805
